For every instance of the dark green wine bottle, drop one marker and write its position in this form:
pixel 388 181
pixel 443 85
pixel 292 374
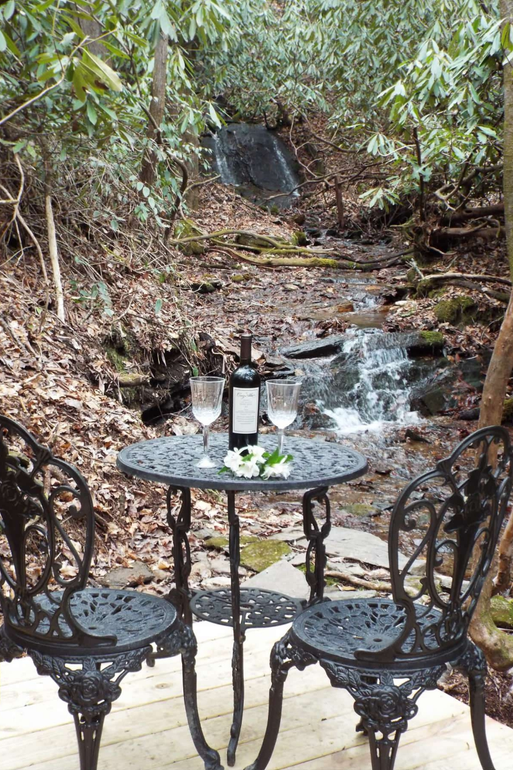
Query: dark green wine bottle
pixel 244 399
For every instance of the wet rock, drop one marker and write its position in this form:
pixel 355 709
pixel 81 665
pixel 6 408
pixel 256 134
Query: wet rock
pixel 316 348
pixel 260 555
pixel 256 162
pixel 122 577
pixel 414 436
pixel 469 414
pixel 430 403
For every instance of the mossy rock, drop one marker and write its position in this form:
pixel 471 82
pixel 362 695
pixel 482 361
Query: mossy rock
pixel 458 310
pixel 221 543
pixel 502 611
pixel 507 412
pixel 299 238
pixel 260 555
pixel 185 229
pixel 254 241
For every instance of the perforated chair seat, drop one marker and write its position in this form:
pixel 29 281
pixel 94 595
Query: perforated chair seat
pixel 133 619
pixel 337 630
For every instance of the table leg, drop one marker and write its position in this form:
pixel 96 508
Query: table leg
pixel 238 631
pixel 180 526
pixel 316 536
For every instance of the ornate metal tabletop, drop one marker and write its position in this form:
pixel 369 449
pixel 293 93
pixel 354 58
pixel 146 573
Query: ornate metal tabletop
pixel 171 460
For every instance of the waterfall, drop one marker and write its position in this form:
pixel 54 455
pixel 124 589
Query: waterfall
pixel 367 385
pixel 288 175
pixel 221 158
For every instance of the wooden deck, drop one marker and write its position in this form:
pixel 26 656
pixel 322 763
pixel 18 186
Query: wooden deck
pixel 147 729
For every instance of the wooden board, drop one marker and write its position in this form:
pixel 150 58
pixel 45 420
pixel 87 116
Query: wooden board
pixel 147 729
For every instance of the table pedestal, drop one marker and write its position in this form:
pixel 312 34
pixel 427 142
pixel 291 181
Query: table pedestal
pixel 243 608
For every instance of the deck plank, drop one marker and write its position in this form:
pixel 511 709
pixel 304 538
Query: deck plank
pixel 147 728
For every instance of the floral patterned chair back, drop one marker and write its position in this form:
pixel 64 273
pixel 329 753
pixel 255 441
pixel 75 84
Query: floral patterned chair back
pixel 46 542
pixel 449 519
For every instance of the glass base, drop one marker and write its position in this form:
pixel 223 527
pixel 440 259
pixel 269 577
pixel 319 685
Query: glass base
pixel 205 462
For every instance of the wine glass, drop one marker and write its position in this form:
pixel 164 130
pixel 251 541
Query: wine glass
pixel 282 402
pixel 207 395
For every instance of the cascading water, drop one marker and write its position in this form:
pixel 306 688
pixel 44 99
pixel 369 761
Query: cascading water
pixel 288 175
pixel 367 385
pixel 225 172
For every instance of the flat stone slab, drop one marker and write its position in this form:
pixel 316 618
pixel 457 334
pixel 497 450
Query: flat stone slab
pixel 283 578
pixel 289 535
pixel 121 577
pixel 327 346
pixel 359 546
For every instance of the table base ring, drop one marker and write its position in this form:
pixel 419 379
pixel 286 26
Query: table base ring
pixel 259 608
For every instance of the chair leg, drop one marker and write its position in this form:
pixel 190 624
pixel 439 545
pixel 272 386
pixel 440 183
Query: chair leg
pixel 476 670
pixel 383 749
pixel 279 669
pixel 89 728
pixel 89 692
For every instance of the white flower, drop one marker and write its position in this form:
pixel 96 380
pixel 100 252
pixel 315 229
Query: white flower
pixel 249 467
pixel 257 452
pixel 253 461
pixel 282 468
pixel 233 459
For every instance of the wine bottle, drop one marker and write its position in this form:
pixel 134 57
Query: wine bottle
pixel 244 399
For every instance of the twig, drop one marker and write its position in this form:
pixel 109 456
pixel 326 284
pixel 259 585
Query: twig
pixel 374 585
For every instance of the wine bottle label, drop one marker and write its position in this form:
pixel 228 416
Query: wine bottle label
pixel 245 410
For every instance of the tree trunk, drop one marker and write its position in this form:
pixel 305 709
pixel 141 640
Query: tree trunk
pixel 157 108
pixel 496 644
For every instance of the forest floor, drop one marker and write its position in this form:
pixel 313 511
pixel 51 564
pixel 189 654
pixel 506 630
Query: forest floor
pixel 61 380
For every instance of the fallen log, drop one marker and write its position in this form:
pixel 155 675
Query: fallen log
pixel 441 235
pixel 472 213
pixel 471 276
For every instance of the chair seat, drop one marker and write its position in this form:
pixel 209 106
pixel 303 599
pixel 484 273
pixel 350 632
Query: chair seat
pixel 337 629
pixel 135 619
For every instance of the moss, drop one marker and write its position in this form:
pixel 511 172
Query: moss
pixel 507 411
pixel 222 543
pixel 436 339
pixel 359 509
pixel 185 229
pixel 456 310
pixel 299 238
pixel 117 359
pixel 260 555
pixel 502 611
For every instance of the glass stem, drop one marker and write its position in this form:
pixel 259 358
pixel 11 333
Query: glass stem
pixel 205 440
pixel 281 439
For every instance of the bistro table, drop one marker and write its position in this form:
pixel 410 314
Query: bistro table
pixel 316 466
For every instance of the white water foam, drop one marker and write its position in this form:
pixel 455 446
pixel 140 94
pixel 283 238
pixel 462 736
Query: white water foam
pixel 226 173
pixel 378 391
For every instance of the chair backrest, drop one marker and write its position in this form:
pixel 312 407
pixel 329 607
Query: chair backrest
pixel 46 541
pixel 449 520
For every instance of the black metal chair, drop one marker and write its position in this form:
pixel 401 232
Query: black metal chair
pixel 386 653
pixel 85 639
